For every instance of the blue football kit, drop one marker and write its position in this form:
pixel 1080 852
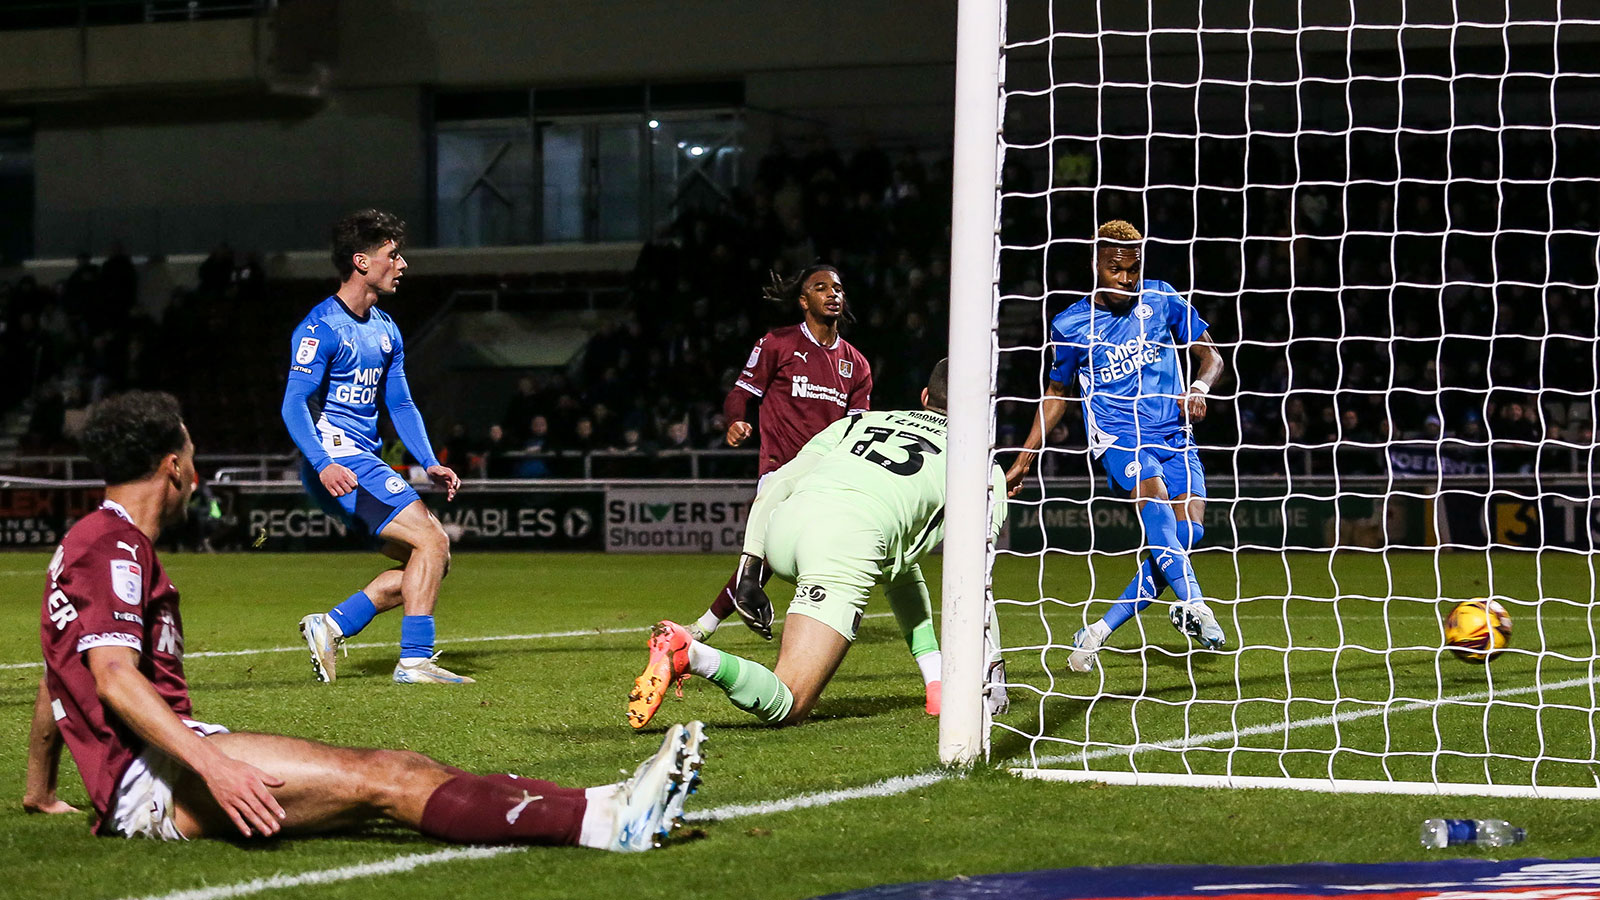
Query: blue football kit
pixel 342 367
pixel 1128 375
pixel 1127 372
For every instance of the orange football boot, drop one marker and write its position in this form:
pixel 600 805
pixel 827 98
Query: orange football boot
pixel 669 665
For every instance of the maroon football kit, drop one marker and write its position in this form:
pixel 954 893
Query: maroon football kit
pixel 804 387
pixel 107 589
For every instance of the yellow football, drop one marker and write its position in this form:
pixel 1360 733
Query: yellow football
pixel 1477 630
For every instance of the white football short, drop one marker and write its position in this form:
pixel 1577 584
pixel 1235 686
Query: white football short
pixel 142 806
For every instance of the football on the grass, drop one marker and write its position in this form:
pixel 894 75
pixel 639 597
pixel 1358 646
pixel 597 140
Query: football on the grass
pixel 1477 630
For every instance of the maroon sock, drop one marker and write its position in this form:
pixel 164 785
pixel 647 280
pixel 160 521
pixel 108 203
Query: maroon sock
pixel 473 809
pixel 534 785
pixel 722 607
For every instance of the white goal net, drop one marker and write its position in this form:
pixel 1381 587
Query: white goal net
pixel 1388 214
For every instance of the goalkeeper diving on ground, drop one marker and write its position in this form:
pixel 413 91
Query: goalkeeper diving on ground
pixel 857 506
pixel 1120 346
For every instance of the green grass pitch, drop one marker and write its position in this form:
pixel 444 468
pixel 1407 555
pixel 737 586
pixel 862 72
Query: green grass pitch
pixel 553 707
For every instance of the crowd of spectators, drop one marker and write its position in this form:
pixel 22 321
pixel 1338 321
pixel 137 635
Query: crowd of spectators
pixel 1373 319
pixel 108 326
pixel 655 379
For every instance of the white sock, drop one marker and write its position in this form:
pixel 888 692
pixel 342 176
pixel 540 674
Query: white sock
pixel 1100 629
pixel 703 660
pixel 598 817
pixel 708 621
pixel 930 664
pixel 409 661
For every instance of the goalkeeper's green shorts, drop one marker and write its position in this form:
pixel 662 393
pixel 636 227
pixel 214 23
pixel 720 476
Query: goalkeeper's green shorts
pixel 831 553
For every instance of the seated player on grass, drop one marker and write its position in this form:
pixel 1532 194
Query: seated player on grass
pixel 114 690
pixel 859 505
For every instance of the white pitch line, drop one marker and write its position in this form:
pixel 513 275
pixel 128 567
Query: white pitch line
pixel 1314 722
pixel 889 787
pixel 367 645
pixel 329 876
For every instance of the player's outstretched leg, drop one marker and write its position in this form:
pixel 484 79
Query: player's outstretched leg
pixel 426 566
pixel 1146 586
pixel 807 658
pixel 328 788
pixel 668 666
pixel 1190 615
pixel 325 633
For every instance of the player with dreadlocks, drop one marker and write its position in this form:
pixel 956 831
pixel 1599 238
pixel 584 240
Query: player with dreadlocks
pixel 806 377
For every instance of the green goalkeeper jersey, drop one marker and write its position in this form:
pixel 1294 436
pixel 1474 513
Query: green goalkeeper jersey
pixel 888 467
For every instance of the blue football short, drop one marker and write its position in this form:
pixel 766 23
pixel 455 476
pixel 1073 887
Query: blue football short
pixel 1173 458
pixel 379 496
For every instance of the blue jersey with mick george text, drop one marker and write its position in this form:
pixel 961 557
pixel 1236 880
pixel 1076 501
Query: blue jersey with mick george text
pixel 1126 367
pixel 348 360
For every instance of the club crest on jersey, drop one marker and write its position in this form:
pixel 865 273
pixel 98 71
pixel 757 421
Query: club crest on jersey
pixel 384 342
pixel 307 351
pixel 126 581
pixel 395 485
pixel 755 354
pixel 1143 311
pixel 846 368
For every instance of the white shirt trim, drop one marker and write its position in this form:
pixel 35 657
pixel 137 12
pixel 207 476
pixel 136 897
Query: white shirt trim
pixel 110 639
pixel 117 508
pixel 757 391
pixel 808 334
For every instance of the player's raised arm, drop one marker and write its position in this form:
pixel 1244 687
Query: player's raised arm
pixel 751 384
pixel 1190 330
pixel 407 419
pixel 1051 408
pixel 1207 360
pixel 44 759
pixel 312 355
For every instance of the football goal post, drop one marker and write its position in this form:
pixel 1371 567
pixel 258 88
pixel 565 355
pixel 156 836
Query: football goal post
pixel 1387 216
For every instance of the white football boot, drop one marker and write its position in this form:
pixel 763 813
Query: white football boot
pixel 428 672
pixel 647 806
pixel 323 637
pixel 1086 646
pixel 1196 620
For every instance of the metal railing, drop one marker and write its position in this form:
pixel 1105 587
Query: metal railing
pixel 32 14
pixel 569 464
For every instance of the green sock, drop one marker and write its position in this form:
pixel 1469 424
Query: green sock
pixel 752 687
pixel 922 640
pixel 913 612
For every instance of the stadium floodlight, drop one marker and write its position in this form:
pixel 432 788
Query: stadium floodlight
pixel 1386 213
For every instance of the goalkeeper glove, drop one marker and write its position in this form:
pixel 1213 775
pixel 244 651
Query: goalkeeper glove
pixel 749 599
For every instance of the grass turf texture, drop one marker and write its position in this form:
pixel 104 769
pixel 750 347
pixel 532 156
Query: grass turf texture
pixel 553 708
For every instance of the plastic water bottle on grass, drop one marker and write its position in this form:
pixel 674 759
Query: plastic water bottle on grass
pixel 1438 833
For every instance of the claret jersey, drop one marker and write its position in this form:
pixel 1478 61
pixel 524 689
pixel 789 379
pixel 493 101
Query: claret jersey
pixel 804 387
pixel 106 588
pixel 1126 366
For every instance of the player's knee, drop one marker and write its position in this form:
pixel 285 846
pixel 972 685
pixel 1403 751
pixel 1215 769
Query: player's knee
pixel 804 701
pixel 437 547
pixel 391 776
